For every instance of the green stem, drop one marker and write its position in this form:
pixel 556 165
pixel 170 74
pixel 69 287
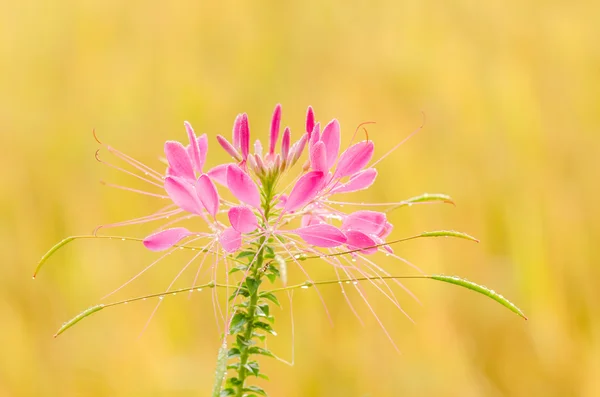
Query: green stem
pixel 244 354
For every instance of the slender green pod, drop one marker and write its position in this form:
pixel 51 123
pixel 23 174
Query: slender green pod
pixel 78 318
pixel 481 289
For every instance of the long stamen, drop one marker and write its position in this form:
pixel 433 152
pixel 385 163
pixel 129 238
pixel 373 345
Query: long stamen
pixel 161 196
pixel 136 164
pixel 143 219
pixel 97 156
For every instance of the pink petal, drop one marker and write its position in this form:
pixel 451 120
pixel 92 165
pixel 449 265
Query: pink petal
pixel 318 157
pixel 183 194
pixel 229 148
pixel 359 240
pixel 275 123
pixel 207 193
pixel 354 159
pixel 245 136
pixel 370 222
pixel 285 143
pixel 297 149
pixel 359 181
pixel 322 235
pixel 332 140
pixel 166 239
pixel 242 186
pixel 305 190
pixel 231 240
pixel 180 163
pixel 258 149
pixel 193 149
pixel 203 149
pixel 242 219
pixel 219 174
pixel 236 131
pixel 310 120
pixel 315 136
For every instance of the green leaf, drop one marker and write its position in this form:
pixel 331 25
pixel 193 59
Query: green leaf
pixel 482 290
pixel 227 392
pixel 78 318
pixel 246 254
pixel 448 233
pixel 237 323
pixel 265 326
pixel 270 296
pixel 252 285
pixel 255 389
pixel 260 350
pixel 220 370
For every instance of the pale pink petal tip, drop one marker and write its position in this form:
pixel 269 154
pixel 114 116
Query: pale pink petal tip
pixel 242 186
pixel 237 124
pixel 275 123
pixel 242 219
pixel 208 195
pixel 202 142
pixel 232 151
pixel 322 235
pixel 231 240
pixel 305 190
pixel 166 239
pixel 179 161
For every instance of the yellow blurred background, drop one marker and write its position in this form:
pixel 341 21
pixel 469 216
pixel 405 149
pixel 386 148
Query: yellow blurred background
pixel 511 93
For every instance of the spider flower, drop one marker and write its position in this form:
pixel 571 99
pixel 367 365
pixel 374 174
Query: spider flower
pixel 264 209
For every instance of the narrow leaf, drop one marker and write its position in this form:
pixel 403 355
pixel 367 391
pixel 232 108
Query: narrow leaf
pixel 427 197
pixel 51 252
pixel 448 233
pixel 220 370
pixel 78 318
pixel 482 290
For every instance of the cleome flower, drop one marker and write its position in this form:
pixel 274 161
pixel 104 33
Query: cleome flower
pixel 262 211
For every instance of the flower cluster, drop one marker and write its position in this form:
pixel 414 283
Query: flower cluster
pixel 262 208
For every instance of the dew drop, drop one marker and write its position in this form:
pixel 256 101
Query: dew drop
pixel 198 289
pixel 122 239
pixel 143 299
pixel 387 254
pixel 180 248
pixel 304 287
pixel 355 282
pixel 353 259
pixel 174 293
pixel 161 297
pixel 410 204
pixel 347 282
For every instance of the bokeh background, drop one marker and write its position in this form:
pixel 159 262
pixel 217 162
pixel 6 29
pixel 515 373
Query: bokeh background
pixel 511 93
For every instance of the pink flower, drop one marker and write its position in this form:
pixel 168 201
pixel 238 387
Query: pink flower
pixel 294 220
